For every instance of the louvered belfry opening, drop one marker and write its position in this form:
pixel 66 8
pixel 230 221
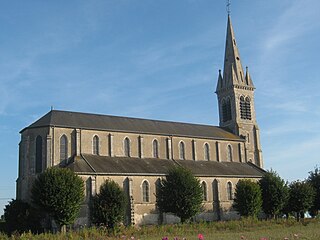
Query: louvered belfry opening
pixel 245 108
pixel 226 110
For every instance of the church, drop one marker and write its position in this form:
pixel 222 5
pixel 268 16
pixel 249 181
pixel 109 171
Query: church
pixel 137 153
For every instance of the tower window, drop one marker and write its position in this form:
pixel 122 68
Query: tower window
pixel 206 152
pixel 38 154
pixel 245 108
pixel 63 148
pixel 182 151
pixel 126 147
pixel 155 148
pixel 226 110
pixel 95 145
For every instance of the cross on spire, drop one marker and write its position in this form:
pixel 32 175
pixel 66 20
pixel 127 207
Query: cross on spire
pixel 228 6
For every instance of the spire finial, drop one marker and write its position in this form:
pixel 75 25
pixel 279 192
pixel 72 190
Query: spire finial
pixel 228 7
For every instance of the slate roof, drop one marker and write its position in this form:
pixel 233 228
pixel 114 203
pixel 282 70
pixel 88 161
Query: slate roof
pixel 102 165
pixel 132 125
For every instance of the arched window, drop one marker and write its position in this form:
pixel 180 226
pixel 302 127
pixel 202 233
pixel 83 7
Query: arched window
pixel 226 110
pixel 206 152
pixel 204 191
pixel 63 148
pixel 95 145
pixel 229 153
pixel 145 191
pixel 229 191
pixel 155 148
pixel 38 154
pixel 182 151
pixel 215 190
pixel 245 108
pixel 126 147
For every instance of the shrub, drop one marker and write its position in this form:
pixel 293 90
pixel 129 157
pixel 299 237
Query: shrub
pixel 274 193
pixel 248 200
pixel 59 192
pixel 180 193
pixel 108 206
pixel 301 197
pixel 21 217
pixel 314 181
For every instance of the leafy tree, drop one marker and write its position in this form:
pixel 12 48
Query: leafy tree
pixel 21 217
pixel 180 193
pixel 59 192
pixel 248 199
pixel 274 193
pixel 108 206
pixel 314 180
pixel 301 197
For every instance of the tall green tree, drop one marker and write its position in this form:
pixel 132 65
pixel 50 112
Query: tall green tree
pixel 108 206
pixel 248 199
pixel 59 192
pixel 180 193
pixel 314 180
pixel 301 197
pixel 274 193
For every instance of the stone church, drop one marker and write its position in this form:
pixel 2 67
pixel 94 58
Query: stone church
pixel 137 153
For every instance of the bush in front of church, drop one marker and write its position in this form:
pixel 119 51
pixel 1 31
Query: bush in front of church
pixel 301 197
pixel 59 192
pixel 180 193
pixel 248 199
pixel 20 217
pixel 314 180
pixel 275 193
pixel 108 206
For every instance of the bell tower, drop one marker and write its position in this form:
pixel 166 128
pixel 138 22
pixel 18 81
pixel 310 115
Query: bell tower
pixel 235 92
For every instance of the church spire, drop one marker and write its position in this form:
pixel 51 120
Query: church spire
pixel 233 74
pixel 235 92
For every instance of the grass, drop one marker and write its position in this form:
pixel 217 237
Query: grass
pixel 248 229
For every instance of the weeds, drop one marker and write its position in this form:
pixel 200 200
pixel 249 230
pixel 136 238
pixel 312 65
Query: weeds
pixel 245 229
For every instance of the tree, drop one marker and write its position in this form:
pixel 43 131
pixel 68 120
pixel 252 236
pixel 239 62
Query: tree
pixel 248 199
pixel 180 193
pixel 314 181
pixel 274 193
pixel 21 217
pixel 301 197
pixel 108 206
pixel 59 192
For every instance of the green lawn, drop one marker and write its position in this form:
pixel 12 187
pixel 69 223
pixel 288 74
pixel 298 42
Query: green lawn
pixel 245 229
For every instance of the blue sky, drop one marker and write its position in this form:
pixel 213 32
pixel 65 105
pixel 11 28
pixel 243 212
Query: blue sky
pixel 160 60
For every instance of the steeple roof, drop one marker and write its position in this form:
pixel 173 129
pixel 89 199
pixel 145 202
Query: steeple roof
pixel 233 71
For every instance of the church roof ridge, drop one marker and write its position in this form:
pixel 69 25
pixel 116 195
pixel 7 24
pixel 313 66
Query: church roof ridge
pixel 69 119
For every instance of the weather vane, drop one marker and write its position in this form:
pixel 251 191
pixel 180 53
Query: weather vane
pixel 228 6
